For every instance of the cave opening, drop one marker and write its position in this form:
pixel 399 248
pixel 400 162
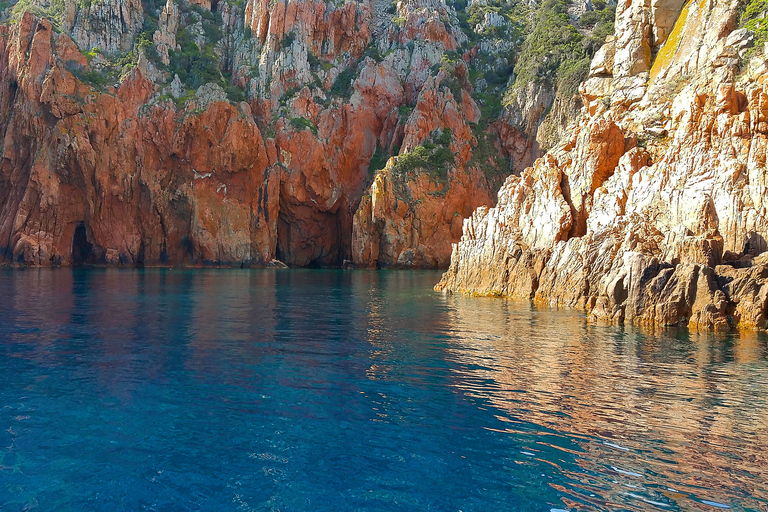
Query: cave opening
pixel 82 249
pixel 214 5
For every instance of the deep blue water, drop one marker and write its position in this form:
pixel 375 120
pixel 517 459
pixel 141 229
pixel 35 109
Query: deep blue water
pixel 351 390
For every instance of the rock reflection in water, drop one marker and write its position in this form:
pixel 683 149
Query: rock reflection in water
pixel 333 390
pixel 664 418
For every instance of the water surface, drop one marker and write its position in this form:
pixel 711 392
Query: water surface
pixel 352 390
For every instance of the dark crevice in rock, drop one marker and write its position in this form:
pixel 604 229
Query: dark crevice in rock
pixel 82 249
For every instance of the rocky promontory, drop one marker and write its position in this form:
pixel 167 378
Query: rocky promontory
pixel 653 209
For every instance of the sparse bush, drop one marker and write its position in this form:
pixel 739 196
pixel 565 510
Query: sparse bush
pixel 342 86
pixel 378 160
pixel 194 66
pixel 372 51
pixel 755 18
pixel 555 52
pixel 433 157
pixel 288 40
pixel 301 123
pixel 52 9
pixel 314 60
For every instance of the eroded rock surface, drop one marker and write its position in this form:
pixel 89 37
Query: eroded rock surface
pixel 150 186
pixel 653 210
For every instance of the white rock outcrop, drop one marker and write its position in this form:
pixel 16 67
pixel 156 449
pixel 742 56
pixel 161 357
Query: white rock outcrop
pixel 654 210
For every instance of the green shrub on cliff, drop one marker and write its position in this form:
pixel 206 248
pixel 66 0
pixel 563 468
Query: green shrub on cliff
pixel 552 41
pixel 556 52
pixel 755 18
pixel 597 17
pixel 515 12
pixel 570 74
pixel 342 86
pixel 754 15
pixel 54 10
pixel 486 156
pixel 434 157
pixel 301 123
pixel 194 66
pixel 378 160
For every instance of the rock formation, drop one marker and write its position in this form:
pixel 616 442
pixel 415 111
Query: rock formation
pixel 216 132
pixel 144 184
pixel 186 132
pixel 652 211
pixel 109 25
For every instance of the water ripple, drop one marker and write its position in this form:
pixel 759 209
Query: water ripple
pixel 333 390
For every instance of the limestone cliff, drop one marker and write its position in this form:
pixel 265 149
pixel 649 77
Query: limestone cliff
pixel 652 210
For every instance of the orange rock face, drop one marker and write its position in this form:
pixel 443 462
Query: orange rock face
pixel 122 177
pixel 406 219
pixel 144 185
pixel 407 216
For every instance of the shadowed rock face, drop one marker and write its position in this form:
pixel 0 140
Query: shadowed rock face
pixel 652 211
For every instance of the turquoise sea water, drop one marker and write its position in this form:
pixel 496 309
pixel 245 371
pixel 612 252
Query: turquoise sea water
pixel 211 390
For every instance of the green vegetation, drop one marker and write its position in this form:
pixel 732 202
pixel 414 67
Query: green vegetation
pixel 313 60
pixel 52 9
pixel 194 66
pixel 591 19
pixel 203 13
pixel 490 106
pixel 153 7
pixel 181 100
pixel 498 76
pixel 115 67
pixel 755 18
pixel 91 54
pixel 378 160
pixel 603 28
pixel 372 51
pixel 553 41
pixel 342 86
pixel 450 60
pixel 570 74
pixel 515 12
pixel 234 93
pixel 433 157
pixel 486 156
pixel 97 79
pixel 288 40
pixel 404 112
pixel 555 52
pixel 301 123
pixel 288 95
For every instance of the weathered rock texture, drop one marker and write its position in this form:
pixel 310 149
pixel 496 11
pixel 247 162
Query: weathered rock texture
pixel 185 132
pixel 653 210
pixel 110 157
pixel 108 25
pixel 156 187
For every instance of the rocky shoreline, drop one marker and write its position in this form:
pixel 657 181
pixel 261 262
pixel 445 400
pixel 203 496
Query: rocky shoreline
pixel 653 211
